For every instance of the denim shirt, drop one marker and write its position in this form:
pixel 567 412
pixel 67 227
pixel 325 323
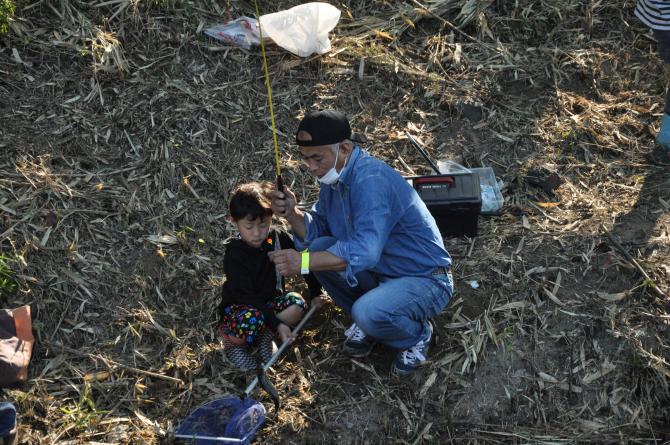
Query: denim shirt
pixel 379 221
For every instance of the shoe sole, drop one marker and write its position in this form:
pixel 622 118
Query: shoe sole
pixel 358 354
pixel 402 373
pixel 399 373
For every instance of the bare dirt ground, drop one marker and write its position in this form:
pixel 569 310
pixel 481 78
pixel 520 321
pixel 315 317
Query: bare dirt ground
pixel 123 129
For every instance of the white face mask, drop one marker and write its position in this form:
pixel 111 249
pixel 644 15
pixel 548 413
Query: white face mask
pixel 332 175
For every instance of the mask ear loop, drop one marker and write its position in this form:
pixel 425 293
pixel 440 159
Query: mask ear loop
pixel 337 154
pixel 346 160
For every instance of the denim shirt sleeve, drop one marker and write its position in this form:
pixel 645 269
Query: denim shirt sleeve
pixel 315 226
pixel 375 210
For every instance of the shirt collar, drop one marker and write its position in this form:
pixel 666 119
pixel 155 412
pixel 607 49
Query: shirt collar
pixel 345 175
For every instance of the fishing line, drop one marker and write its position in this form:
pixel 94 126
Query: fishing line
pixel 280 183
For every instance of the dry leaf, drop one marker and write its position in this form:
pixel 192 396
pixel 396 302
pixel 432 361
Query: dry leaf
pixel 162 239
pixel 613 297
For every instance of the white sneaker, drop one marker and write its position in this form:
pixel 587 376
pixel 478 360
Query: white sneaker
pixel 410 359
pixel 357 344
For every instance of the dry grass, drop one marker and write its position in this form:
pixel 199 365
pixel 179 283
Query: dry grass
pixel 123 131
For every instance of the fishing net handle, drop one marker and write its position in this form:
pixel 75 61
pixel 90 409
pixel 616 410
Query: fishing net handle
pixel 281 349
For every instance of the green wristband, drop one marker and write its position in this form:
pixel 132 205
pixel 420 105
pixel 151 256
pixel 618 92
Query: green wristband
pixel 304 262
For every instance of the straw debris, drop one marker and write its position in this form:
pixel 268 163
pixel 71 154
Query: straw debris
pixel 124 130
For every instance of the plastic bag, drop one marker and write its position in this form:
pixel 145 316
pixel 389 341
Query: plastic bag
pixel 303 29
pixel 446 166
pixel 243 31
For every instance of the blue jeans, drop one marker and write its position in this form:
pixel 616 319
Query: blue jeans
pixel 393 311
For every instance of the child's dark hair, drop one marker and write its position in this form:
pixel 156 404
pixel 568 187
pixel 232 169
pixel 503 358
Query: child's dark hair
pixel 251 200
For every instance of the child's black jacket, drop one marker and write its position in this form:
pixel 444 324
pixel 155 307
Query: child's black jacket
pixel 251 277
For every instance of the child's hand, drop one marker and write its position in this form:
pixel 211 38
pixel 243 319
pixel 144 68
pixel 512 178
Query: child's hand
pixel 284 333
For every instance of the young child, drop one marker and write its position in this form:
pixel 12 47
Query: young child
pixel 254 305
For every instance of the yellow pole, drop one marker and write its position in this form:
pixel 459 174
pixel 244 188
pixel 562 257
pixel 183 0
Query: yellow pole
pixel 267 84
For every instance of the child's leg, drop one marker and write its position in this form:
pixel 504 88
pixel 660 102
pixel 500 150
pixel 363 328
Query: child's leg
pixel 240 327
pixel 240 356
pixel 291 315
pixel 241 323
pixel 266 346
pixel 289 308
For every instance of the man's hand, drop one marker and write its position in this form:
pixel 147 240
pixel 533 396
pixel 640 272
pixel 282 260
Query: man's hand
pixel 287 261
pixel 283 202
pixel 284 333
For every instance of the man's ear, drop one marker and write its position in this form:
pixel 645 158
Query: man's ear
pixel 346 146
pixel 304 136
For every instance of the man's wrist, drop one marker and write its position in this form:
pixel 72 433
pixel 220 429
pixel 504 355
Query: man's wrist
pixel 295 217
pixel 304 262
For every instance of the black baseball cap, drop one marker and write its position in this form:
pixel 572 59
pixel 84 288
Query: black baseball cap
pixel 325 127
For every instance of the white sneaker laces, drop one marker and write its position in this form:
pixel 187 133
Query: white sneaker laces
pixel 413 354
pixel 354 333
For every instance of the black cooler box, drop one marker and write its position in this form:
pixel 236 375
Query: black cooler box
pixel 453 199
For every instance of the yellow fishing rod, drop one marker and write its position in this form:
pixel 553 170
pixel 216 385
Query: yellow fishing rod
pixel 280 182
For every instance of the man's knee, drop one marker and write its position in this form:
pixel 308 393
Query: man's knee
pixel 367 314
